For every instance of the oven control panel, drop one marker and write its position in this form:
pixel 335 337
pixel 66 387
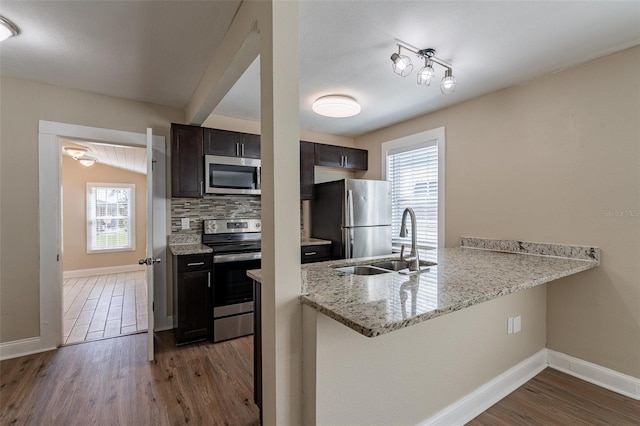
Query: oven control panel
pixel 227 226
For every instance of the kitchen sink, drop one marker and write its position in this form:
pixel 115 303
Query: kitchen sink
pixel 385 267
pixel 362 270
pixel 397 265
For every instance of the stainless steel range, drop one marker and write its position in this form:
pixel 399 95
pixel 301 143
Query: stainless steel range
pixel 236 249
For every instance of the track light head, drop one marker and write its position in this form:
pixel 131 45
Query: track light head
pixel 401 64
pixel 426 73
pixel 448 83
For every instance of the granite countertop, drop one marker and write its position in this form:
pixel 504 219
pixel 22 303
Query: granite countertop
pixel 476 272
pixel 186 244
pixel 306 241
pixel 187 249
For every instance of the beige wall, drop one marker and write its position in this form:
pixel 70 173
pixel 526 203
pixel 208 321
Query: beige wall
pixel 23 104
pixel 407 376
pixel 74 215
pixel 556 160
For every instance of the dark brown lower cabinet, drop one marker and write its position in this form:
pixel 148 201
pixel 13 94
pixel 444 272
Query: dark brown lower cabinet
pixel 193 298
pixel 315 253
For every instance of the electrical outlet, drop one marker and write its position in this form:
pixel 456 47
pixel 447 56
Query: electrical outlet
pixel 517 324
pixel 510 325
pixel 185 223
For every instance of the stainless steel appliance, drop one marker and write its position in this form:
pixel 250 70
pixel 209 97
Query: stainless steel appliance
pixel 236 249
pixel 231 175
pixel 355 214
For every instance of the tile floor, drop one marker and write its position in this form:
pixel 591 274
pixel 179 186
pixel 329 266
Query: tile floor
pixel 102 306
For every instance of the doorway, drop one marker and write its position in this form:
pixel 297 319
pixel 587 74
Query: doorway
pixel 51 137
pixel 103 217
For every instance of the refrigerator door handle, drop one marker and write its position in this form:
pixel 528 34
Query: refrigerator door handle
pixel 349 208
pixel 348 239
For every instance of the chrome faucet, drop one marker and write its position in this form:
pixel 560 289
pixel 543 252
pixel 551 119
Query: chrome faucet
pixel 413 258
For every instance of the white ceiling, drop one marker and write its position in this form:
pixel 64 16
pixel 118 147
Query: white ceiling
pixel 157 51
pixel 131 158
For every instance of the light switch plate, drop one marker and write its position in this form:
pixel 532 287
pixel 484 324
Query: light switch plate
pixel 517 324
pixel 510 325
pixel 185 223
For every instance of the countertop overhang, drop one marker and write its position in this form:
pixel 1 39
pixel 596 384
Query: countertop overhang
pixel 478 271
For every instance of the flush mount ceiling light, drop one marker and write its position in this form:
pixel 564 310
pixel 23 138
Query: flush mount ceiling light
pixel 336 106
pixel 402 66
pixel 75 152
pixel 7 28
pixel 87 161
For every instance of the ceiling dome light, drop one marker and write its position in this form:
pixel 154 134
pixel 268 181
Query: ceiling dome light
pixel 336 106
pixel 401 64
pixel 87 161
pixel 75 152
pixel 7 28
pixel 448 83
pixel 426 73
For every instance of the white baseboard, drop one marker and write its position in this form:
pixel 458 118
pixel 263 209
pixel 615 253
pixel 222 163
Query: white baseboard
pixel 596 374
pixel 476 402
pixel 22 347
pixel 102 271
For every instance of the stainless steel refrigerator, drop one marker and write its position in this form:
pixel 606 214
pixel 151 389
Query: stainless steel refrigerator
pixel 355 214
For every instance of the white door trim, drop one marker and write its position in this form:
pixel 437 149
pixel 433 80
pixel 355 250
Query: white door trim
pixel 50 160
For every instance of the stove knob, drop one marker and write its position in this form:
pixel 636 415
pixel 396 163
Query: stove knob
pixel 257 225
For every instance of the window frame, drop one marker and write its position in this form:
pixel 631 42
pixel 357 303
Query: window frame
pixel 420 140
pixel 131 217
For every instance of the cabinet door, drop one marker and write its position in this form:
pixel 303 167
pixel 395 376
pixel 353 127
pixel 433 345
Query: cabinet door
pixel 250 145
pixel 221 142
pixel 355 158
pixel 307 174
pixel 195 307
pixel 187 161
pixel 328 155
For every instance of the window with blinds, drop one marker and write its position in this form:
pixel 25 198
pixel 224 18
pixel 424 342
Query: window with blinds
pixel 110 217
pixel 413 174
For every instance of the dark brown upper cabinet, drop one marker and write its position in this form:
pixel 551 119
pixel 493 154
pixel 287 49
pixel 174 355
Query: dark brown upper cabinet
pixel 307 173
pixel 186 161
pixel 231 144
pixel 341 157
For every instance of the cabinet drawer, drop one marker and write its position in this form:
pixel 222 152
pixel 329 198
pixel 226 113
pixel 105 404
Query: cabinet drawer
pixel 317 253
pixel 195 262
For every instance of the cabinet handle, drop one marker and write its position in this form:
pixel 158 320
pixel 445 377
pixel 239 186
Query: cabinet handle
pixel 346 161
pixel 311 253
pixel 237 149
pixel 195 264
pixel 242 150
pixel 209 279
pixel 201 187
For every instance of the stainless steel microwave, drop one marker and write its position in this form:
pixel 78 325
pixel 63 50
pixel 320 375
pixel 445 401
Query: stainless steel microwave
pixel 231 175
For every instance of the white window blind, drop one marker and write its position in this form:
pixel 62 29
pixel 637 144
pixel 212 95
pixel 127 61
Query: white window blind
pixel 413 174
pixel 110 217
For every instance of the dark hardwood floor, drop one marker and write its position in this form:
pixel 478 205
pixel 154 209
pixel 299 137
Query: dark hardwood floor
pixel 556 398
pixel 110 382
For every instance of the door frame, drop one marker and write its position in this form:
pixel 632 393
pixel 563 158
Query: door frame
pixel 50 219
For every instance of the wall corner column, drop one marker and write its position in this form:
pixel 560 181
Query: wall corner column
pixel 281 311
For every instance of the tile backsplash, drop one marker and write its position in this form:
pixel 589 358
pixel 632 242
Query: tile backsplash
pixel 219 207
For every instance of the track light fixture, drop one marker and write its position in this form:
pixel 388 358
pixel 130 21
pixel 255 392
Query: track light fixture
pixel 402 66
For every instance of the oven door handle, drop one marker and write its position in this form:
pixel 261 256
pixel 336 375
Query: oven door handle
pixel 236 257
